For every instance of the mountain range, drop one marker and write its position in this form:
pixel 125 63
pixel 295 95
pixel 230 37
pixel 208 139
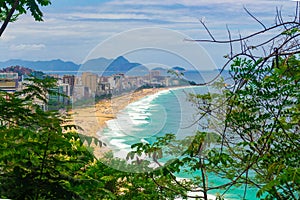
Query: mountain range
pixel 105 67
pixel 102 66
pixel 53 65
pixel 108 67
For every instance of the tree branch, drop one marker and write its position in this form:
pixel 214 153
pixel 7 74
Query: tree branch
pixel 255 18
pixel 9 16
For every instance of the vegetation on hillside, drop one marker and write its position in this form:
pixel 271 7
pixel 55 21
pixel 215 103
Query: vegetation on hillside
pixel 250 133
pixel 251 130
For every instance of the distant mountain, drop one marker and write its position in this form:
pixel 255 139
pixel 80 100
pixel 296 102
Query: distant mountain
pixel 101 66
pixel 180 69
pixel 108 67
pixel 159 69
pixel 165 72
pixel 52 65
pixel 98 64
pixel 122 65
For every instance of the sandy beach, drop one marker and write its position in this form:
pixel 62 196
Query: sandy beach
pixel 92 119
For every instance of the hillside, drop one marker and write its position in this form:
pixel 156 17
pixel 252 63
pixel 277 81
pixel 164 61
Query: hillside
pixel 101 66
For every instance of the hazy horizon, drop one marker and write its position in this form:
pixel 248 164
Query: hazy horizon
pixel 72 30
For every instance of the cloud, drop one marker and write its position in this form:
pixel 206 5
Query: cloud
pixel 109 16
pixel 70 31
pixel 188 2
pixel 27 47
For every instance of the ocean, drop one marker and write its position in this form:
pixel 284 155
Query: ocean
pixel 167 111
pixel 155 115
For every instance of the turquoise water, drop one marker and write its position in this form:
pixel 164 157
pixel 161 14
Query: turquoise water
pixel 233 193
pixel 153 116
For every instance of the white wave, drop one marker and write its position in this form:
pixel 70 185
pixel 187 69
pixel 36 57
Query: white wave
pixel 138 115
pixel 119 143
pixel 139 122
pixel 128 121
pixel 163 92
pixel 112 125
pixel 144 141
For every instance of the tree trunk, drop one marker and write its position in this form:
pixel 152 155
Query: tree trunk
pixel 9 16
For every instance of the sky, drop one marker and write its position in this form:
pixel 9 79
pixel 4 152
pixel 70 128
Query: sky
pixel 141 30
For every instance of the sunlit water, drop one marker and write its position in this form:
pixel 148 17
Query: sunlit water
pixel 155 115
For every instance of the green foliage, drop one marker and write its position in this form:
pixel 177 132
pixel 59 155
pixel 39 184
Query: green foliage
pixel 22 7
pixel 111 183
pixel 262 128
pixel 252 137
pixel 186 155
pixel 176 73
pixel 38 159
pixel 291 32
pixel 40 89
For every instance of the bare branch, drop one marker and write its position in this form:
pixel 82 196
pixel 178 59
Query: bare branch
pixel 208 31
pixel 241 44
pixel 230 43
pixel 247 37
pixel 248 12
pixel 296 12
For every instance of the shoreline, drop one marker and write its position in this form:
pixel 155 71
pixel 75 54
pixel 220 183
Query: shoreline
pixel 92 119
